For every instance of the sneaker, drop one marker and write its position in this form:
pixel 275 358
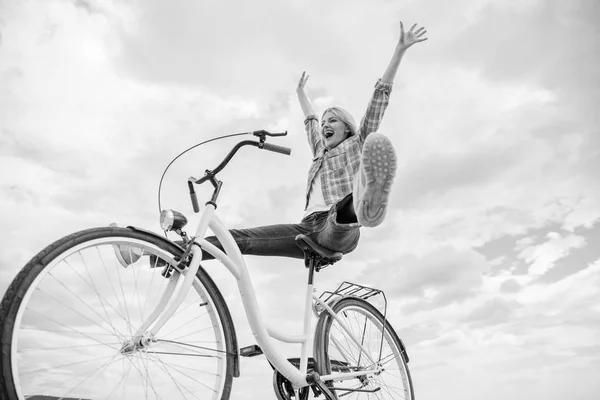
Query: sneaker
pixel 373 182
pixel 126 254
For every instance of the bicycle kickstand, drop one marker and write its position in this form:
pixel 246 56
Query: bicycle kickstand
pixel 314 379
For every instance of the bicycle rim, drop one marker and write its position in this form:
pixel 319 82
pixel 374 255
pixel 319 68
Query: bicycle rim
pixel 73 330
pixel 337 352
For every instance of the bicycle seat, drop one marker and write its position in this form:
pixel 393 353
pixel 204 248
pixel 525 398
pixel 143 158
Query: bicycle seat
pixel 320 254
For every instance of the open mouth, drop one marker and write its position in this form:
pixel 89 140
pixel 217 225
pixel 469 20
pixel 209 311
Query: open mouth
pixel 328 134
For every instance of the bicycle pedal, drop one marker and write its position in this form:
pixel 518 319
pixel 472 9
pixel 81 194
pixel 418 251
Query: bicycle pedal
pixel 251 351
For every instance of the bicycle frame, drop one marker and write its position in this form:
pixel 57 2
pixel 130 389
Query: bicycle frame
pixel 233 260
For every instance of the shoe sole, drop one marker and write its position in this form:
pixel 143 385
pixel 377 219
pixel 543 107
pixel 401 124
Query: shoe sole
pixel 379 164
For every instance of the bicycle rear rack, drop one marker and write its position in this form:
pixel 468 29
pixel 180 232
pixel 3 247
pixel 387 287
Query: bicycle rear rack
pixel 349 289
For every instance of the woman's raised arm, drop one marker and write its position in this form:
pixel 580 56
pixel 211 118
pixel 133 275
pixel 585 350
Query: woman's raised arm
pixel 380 99
pixel 311 123
pixel 406 40
pixel 302 97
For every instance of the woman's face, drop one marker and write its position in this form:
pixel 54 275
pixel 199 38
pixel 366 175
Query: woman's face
pixel 333 130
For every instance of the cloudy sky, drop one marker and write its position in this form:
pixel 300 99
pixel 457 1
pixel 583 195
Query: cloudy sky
pixel 490 254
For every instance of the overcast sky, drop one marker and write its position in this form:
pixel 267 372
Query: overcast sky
pixel 490 254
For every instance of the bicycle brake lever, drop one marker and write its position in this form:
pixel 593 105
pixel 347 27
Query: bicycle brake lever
pixel 262 133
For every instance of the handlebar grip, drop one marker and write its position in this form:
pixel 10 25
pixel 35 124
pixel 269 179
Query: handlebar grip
pixel 277 149
pixel 195 205
pixel 262 132
pixel 193 196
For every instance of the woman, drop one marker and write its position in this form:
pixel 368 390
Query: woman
pixel 353 169
pixel 349 180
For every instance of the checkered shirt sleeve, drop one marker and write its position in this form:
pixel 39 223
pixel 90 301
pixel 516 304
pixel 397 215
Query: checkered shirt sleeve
pixel 375 110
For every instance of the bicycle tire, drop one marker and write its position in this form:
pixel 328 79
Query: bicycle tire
pixel 42 350
pixel 334 352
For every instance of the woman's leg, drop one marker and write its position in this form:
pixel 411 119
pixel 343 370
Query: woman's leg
pixel 272 240
pixel 337 235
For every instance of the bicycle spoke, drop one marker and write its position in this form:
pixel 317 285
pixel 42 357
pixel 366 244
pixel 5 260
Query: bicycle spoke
pixel 177 383
pixel 109 279
pixel 147 381
pixel 75 311
pixel 186 375
pixel 150 382
pixel 70 329
pixel 66 347
pixel 123 294
pixel 135 280
pixel 180 354
pixel 346 349
pixel 63 365
pixel 95 289
pixel 187 323
pixel 96 372
pixel 193 346
pixel 123 377
pixel 362 339
pixel 181 309
pixel 193 370
pixel 195 332
pixel 163 283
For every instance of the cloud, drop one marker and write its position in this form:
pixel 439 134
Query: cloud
pixel 510 286
pixel 438 173
pixel 541 258
pixel 205 44
pixel 439 278
pixel 494 311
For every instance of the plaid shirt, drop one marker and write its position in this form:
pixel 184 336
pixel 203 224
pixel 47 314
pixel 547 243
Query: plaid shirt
pixel 339 165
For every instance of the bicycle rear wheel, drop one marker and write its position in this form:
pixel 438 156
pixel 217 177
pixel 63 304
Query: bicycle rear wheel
pixel 336 352
pixel 69 318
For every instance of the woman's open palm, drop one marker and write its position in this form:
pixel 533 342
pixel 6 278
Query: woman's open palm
pixel 411 37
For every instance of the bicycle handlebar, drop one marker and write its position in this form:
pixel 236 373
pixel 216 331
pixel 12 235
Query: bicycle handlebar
pixel 210 175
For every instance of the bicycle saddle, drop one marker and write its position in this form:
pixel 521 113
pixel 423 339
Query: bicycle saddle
pixel 320 254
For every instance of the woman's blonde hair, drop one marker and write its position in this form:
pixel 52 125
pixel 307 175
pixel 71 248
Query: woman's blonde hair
pixel 343 116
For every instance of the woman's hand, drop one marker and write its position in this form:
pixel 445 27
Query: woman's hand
pixel 411 37
pixel 302 97
pixel 302 82
pixel 407 39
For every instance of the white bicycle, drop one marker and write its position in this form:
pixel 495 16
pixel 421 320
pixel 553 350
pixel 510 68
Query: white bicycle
pixel 76 323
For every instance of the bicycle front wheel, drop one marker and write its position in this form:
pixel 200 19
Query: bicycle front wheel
pixel 69 323
pixel 360 341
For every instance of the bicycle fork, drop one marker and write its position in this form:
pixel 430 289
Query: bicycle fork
pixel 161 314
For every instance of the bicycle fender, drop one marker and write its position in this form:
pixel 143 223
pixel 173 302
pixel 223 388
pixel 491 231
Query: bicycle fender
pixel 226 312
pixel 156 235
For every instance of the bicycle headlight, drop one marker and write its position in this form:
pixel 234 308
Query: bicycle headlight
pixel 171 220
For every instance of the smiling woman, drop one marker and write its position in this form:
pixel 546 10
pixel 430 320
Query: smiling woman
pixel 350 178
